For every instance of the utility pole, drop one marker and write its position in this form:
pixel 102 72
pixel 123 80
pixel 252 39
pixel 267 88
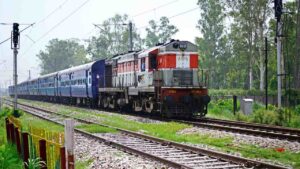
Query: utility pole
pixel 297 63
pixel 278 12
pixel 15 46
pixel 29 75
pixel 266 66
pixel 130 36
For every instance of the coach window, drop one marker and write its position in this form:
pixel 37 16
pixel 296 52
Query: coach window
pixel 143 64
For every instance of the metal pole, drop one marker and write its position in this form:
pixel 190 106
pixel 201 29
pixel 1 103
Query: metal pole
pixel 130 36
pixel 29 77
pixel 279 33
pixel 15 78
pixel 266 66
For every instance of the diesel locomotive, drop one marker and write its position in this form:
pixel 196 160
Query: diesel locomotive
pixel 163 79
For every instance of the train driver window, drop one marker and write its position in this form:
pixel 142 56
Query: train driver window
pixel 153 63
pixel 143 64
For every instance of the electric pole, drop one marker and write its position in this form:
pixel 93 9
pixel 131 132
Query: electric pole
pixel 278 12
pixel 130 36
pixel 297 63
pixel 15 46
pixel 29 75
pixel 266 75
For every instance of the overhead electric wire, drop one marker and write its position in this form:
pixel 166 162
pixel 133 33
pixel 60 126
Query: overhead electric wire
pixel 173 16
pixel 56 25
pixel 51 13
pixel 20 32
pixel 153 9
pixel 40 21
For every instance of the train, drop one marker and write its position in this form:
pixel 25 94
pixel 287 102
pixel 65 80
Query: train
pixel 163 80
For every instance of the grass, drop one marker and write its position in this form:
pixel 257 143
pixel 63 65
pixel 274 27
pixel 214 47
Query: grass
pixel 30 120
pixel 223 109
pixel 83 164
pixel 9 158
pixel 93 128
pixel 169 131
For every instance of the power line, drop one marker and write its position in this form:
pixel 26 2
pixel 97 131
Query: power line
pixel 56 25
pixel 13 23
pixel 51 13
pixel 20 32
pixel 63 20
pixel 182 13
pixel 173 16
pixel 153 9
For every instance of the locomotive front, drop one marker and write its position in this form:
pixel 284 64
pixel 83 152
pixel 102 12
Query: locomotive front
pixel 176 80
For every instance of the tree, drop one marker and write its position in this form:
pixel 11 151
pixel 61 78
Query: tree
pixel 250 18
pixel 113 38
pixel 212 46
pixel 61 54
pixel 159 33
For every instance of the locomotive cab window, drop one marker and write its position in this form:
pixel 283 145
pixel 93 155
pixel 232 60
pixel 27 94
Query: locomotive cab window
pixel 153 62
pixel 143 64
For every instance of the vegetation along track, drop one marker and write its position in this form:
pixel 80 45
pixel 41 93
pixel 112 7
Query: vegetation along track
pixel 171 153
pixel 262 130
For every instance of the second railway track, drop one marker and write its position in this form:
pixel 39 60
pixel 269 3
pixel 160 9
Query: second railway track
pixel 270 131
pixel 171 153
pixel 255 129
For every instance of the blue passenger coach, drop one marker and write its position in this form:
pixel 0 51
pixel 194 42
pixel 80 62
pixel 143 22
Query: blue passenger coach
pixel 76 85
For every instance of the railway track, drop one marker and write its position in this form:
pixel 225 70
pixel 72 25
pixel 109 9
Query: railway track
pixel 173 154
pixel 262 130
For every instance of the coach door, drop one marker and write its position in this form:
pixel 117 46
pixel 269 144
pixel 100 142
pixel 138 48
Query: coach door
pixel 86 82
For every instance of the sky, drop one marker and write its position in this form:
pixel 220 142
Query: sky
pixel 52 21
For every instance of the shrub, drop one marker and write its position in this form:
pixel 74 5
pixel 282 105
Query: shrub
pixel 264 116
pixel 297 109
pixel 35 163
pixel 9 158
pixel 17 113
pixel 241 116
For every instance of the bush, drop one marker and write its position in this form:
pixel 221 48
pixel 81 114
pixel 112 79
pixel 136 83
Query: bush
pixel 9 158
pixel 264 116
pixel 297 109
pixel 35 163
pixel 241 117
pixel 17 113
pixel 5 111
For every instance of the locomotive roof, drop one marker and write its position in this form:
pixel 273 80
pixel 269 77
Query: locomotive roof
pixel 125 57
pixel 146 52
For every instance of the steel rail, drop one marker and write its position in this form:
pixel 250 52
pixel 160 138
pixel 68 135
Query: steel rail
pixel 254 125
pixel 219 155
pixel 248 128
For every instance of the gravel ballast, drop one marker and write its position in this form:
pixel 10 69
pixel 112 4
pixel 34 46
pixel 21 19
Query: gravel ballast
pixel 106 157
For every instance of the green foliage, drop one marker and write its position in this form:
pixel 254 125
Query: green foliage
pixel 113 38
pixel 29 120
pixel 240 92
pixel 159 33
pixel 35 163
pixel 61 54
pixel 5 112
pixel 17 113
pixel 9 158
pixel 213 49
pixel 171 131
pixel 83 164
pixel 264 117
